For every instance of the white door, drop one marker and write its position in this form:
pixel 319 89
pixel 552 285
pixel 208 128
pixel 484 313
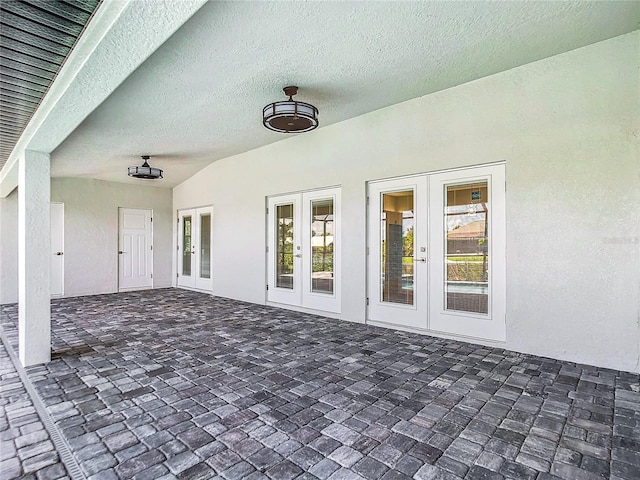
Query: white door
pixel 437 252
pixel 135 251
pixel 57 249
pixel 468 245
pixel 398 286
pixel 303 250
pixel 194 248
pixel 284 250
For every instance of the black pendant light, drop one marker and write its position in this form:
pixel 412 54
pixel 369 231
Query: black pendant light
pixel 290 116
pixel 145 171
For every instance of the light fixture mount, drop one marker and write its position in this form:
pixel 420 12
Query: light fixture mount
pixel 145 171
pixel 290 116
pixel 290 91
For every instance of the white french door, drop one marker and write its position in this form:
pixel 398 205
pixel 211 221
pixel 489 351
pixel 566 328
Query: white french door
pixel 194 248
pixel 468 246
pixel 398 251
pixel 57 249
pixel 135 253
pixel 284 250
pixel 437 252
pixel 303 250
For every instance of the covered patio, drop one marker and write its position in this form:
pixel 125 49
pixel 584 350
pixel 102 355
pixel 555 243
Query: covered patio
pixel 171 383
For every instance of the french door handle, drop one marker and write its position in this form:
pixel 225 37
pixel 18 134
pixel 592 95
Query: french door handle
pixel 120 252
pixel 298 255
pixel 59 253
pixel 421 259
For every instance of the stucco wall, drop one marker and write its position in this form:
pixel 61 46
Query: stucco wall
pixel 91 235
pixel 9 248
pixel 567 128
pixel 91 231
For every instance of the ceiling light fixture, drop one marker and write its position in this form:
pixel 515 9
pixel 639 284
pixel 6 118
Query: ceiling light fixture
pixel 145 171
pixel 290 116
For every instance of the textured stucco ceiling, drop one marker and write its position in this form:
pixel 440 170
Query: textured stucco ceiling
pixel 199 97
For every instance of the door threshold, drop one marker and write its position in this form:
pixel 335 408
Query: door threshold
pixel 311 311
pixel 433 333
pixel 193 289
pixel 134 289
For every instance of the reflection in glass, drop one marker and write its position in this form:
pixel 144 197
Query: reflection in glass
pixel 284 246
pixel 186 246
pixel 396 236
pixel 322 246
pixel 467 241
pixel 205 245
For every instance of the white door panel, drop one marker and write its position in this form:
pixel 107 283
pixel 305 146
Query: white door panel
pixel 186 251
pixel 467 238
pixel 321 256
pixel 135 253
pixel 57 249
pixel 285 250
pixel 143 250
pixel 398 291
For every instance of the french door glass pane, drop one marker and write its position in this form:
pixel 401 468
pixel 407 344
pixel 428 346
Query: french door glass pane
pixel 284 246
pixel 186 245
pixel 322 246
pixel 205 245
pixel 467 246
pixel 396 236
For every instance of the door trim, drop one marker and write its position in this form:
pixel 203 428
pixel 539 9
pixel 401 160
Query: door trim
pixel 435 172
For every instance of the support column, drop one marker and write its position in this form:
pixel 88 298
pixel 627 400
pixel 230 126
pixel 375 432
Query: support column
pixel 34 258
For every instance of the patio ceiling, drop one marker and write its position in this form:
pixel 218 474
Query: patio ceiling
pixel 198 98
pixel 36 36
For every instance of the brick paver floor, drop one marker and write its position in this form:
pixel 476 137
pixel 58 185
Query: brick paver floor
pixel 177 384
pixel 26 449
